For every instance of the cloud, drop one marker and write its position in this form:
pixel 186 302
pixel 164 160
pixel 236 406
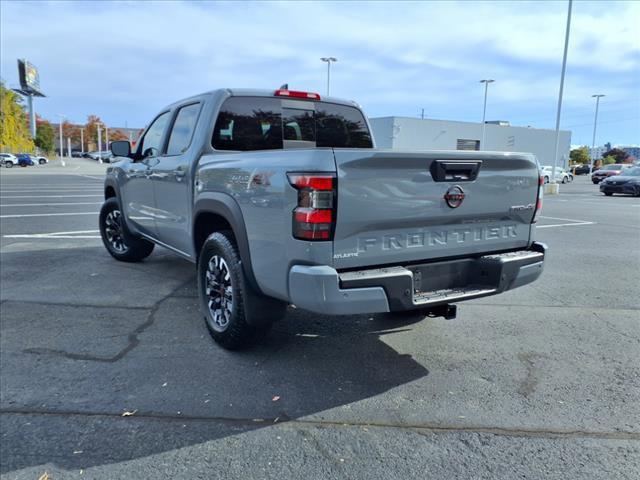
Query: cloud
pixel 125 60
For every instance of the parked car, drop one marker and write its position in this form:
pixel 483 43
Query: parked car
pixel 104 155
pixel 39 159
pixel 76 154
pixel 561 175
pixel 281 197
pixel 8 160
pixel 626 182
pixel 607 171
pixel 581 169
pixel 25 160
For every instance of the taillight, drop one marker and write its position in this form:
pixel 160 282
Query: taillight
pixel 539 200
pixel 314 217
pixel 296 94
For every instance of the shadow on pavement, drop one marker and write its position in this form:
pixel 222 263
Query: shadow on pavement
pixel 86 349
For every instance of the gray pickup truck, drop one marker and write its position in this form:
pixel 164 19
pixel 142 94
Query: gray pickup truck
pixel 280 197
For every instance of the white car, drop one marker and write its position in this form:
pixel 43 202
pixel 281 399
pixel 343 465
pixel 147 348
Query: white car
pixel 39 159
pixel 8 160
pixel 561 174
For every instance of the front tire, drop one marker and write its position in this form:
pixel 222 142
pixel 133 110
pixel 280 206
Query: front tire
pixel 608 194
pixel 235 314
pixel 42 162
pixel 8 164
pixel 117 239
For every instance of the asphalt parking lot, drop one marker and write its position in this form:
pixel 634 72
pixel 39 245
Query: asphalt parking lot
pixel 539 383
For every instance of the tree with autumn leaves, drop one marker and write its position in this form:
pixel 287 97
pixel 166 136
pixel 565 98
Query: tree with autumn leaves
pixel 14 130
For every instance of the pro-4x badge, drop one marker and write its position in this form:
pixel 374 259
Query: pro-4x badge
pixel 454 196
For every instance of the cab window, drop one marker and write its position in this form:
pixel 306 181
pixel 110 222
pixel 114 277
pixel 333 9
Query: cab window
pixel 183 128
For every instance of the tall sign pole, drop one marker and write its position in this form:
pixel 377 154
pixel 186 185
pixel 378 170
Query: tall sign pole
pixel 595 124
pixel 564 68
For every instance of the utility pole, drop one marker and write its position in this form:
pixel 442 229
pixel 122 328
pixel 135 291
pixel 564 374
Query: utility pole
pixel 484 110
pixel 82 140
pixel 106 134
pixel 328 60
pixel 62 117
pixel 99 143
pixel 69 147
pixel 564 68
pixel 595 123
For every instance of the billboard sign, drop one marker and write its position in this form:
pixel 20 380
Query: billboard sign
pixel 29 78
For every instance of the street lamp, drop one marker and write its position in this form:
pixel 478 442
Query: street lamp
pixel 484 110
pixel 62 118
pixel 328 60
pixel 595 123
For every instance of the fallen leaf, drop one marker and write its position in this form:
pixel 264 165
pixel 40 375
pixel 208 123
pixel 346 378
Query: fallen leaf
pixel 44 476
pixel 164 384
pixel 75 452
pixel 275 398
pixel 128 414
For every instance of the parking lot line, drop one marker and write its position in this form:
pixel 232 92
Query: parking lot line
pixel 47 204
pixel 74 234
pixel 48 196
pixel 48 214
pixel 566 225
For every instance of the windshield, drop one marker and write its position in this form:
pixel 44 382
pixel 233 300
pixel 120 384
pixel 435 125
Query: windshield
pixel 612 167
pixel 631 172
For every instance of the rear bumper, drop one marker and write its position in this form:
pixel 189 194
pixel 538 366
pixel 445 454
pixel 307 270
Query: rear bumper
pixel 322 289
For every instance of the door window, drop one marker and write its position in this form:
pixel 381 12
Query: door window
pixel 183 128
pixel 153 137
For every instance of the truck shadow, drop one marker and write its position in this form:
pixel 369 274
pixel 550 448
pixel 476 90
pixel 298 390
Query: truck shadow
pixel 66 381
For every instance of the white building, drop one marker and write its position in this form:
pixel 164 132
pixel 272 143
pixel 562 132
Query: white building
pixel 596 152
pixel 417 134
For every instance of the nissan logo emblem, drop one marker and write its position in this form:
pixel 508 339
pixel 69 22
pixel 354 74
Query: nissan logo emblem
pixel 454 196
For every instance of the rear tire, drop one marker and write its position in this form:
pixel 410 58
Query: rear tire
pixel 117 239
pixel 235 314
pixel 608 194
pixel 546 180
pixel 8 164
pixel 42 162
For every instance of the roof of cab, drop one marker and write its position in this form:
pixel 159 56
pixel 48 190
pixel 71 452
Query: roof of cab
pixel 255 92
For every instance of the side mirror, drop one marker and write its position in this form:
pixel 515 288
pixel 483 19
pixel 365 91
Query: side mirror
pixel 121 148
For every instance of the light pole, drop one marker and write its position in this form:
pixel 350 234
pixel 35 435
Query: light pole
pixel 106 134
pixel 595 123
pixel 99 143
pixel 484 110
pixel 564 68
pixel 62 118
pixel 328 60
pixel 82 140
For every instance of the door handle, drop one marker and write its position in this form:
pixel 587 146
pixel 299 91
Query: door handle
pixel 179 172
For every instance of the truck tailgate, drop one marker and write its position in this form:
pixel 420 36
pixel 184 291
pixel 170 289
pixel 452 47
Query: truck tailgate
pixel 392 209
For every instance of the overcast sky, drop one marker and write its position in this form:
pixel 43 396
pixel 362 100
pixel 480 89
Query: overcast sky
pixel 123 61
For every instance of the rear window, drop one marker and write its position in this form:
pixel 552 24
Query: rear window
pixel 263 123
